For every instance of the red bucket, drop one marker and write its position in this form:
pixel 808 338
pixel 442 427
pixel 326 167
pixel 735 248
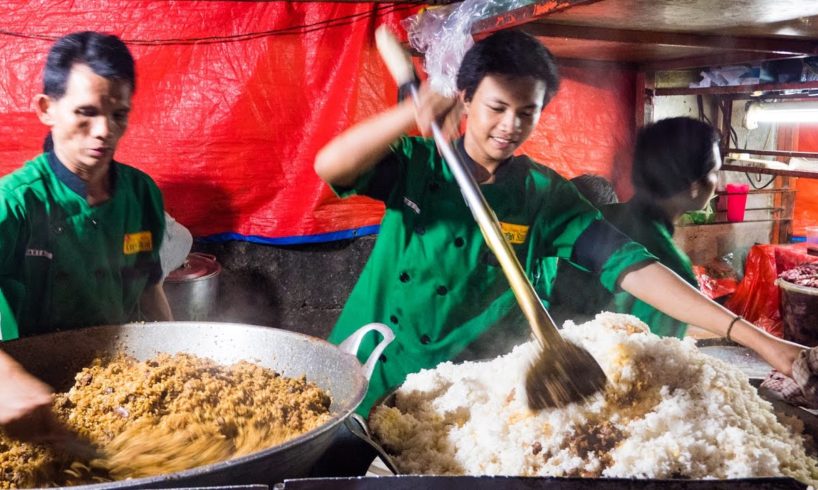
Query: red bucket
pixel 736 201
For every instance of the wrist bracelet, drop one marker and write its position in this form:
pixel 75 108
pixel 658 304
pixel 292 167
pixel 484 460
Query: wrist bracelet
pixel 730 328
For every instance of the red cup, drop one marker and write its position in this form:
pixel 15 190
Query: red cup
pixel 736 201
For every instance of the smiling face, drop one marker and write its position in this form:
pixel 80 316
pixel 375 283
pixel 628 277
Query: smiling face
pixel 500 117
pixel 87 121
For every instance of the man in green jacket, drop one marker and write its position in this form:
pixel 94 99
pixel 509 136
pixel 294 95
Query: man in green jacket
pixel 80 232
pixel 431 277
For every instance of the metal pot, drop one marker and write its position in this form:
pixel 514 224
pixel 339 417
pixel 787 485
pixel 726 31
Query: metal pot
pixel 56 358
pixel 192 289
pixel 799 312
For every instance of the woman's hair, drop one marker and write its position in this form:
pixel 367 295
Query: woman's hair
pixel 106 55
pixel 596 189
pixel 511 53
pixel 671 155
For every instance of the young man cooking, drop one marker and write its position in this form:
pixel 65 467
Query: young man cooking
pixel 80 232
pixel 431 277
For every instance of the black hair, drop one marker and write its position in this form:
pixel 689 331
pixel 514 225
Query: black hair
pixel 671 155
pixel 105 54
pixel 511 53
pixel 595 189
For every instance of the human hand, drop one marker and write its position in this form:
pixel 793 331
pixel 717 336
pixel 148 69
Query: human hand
pixel 25 402
pixel 801 388
pixel 434 107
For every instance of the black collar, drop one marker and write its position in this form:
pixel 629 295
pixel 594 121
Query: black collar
pixel 72 180
pixel 460 145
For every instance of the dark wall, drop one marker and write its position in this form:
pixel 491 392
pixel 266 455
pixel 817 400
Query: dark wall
pixel 301 288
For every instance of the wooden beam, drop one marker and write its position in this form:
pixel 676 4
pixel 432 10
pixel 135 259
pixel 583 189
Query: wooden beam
pixel 790 47
pixel 523 15
pixel 643 105
pixel 776 153
pixel 738 89
pixel 715 59
pixel 782 46
pixel 726 126
pixel 770 171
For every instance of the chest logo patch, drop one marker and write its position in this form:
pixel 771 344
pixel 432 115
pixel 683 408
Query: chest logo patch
pixel 515 234
pixel 36 252
pixel 137 242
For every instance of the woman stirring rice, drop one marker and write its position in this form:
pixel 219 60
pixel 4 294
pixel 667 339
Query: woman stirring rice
pixel 675 170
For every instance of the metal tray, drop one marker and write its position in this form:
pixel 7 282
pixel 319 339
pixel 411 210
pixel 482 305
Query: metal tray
pixel 499 482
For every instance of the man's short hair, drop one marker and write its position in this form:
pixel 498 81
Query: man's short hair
pixel 105 54
pixel 511 53
pixel 671 155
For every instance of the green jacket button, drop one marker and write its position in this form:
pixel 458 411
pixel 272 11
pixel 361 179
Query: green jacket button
pixel 441 290
pixel 393 319
pixel 459 242
pixel 420 229
pixel 404 277
pixel 424 339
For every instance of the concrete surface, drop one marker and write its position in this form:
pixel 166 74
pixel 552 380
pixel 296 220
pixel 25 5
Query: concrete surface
pixel 300 288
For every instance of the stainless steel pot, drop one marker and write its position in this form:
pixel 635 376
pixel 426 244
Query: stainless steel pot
pixel 193 288
pixel 56 358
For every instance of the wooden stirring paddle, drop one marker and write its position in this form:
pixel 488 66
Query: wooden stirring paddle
pixel 563 373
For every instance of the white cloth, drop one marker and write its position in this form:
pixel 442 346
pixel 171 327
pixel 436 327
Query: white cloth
pixel 176 245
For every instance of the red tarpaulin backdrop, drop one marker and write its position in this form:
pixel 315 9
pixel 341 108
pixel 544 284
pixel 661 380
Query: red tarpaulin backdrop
pixel 806 196
pixel 234 99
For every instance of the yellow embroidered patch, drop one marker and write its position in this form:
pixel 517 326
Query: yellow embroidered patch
pixel 138 242
pixel 515 234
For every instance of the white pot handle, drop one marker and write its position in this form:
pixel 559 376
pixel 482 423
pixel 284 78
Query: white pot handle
pixel 352 343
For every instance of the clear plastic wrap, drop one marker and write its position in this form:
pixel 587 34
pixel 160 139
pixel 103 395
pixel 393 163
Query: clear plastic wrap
pixel 443 35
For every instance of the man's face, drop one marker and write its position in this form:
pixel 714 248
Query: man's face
pixel 501 115
pixel 88 121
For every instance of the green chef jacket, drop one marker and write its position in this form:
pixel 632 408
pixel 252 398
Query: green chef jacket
pixel 432 278
pixel 649 227
pixel 65 264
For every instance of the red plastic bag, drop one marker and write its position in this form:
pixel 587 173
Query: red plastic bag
pixel 715 280
pixel 756 297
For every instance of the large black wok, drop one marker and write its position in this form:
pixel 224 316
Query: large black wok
pixel 56 358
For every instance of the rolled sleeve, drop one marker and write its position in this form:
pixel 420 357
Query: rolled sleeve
pixel 10 288
pixel 379 181
pixel 9 330
pixel 627 256
pixel 579 234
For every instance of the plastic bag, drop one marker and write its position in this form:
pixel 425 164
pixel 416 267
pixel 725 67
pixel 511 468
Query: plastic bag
pixel 717 278
pixel 443 35
pixel 698 217
pixel 756 297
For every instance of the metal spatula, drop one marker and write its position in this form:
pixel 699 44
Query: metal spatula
pixel 563 372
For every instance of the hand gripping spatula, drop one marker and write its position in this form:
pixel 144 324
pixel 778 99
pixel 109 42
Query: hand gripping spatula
pixel 563 373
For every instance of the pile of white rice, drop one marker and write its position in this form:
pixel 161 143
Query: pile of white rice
pixel 669 412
